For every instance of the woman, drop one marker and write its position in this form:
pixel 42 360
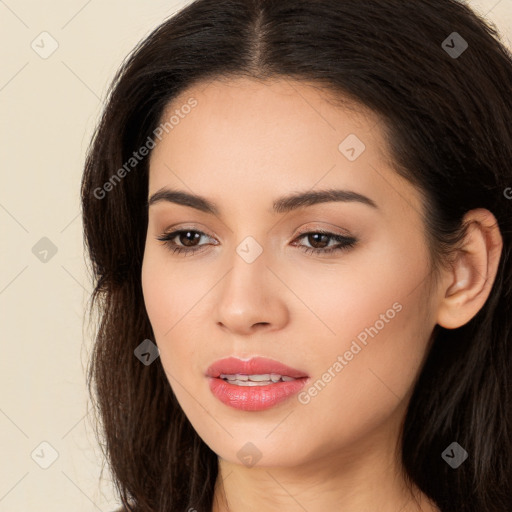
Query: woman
pixel 299 220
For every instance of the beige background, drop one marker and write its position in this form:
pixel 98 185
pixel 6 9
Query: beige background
pixel 48 109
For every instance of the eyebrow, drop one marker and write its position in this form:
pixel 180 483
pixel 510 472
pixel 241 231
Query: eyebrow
pixel 282 205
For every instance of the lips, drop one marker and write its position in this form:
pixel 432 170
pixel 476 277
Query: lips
pixel 254 385
pixel 255 366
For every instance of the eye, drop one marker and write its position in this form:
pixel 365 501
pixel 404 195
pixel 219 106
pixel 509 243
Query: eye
pixel 188 241
pixel 322 238
pixel 188 237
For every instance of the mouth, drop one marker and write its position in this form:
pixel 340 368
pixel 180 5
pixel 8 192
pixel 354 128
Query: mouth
pixel 254 384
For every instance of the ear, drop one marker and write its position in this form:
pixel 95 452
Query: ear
pixel 468 284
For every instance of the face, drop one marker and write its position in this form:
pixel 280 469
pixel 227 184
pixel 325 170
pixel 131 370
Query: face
pixel 336 289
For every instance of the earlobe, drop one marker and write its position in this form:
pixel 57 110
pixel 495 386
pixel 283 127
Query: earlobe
pixel 469 282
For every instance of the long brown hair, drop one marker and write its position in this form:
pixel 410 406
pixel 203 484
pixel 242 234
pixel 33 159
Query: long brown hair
pixel 441 81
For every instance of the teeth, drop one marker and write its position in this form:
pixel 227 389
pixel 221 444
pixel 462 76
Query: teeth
pixel 255 380
pixel 259 378
pixel 250 383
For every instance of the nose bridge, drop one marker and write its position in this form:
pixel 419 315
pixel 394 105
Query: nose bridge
pixel 247 296
pixel 248 269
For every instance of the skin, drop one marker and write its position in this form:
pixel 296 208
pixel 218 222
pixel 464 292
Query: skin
pixel 245 144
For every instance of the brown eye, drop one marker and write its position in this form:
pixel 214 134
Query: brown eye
pixel 187 240
pixel 319 241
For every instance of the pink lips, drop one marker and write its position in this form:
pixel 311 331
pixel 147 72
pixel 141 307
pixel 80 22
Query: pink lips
pixel 255 366
pixel 253 398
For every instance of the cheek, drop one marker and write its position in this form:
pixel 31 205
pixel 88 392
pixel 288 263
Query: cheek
pixel 364 374
pixel 166 290
pixel 376 300
pixel 171 299
pixel 381 324
pixel 350 297
pixel 156 292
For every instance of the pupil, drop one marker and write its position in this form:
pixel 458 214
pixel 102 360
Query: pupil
pixel 315 236
pixel 188 242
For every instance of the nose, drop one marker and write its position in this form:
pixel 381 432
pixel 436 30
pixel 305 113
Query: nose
pixel 251 298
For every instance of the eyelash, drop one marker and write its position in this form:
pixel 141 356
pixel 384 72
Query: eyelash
pixel 346 242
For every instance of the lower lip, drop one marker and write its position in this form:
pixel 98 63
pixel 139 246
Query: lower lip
pixel 254 398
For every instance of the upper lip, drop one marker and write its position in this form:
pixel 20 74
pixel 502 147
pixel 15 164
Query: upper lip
pixel 254 366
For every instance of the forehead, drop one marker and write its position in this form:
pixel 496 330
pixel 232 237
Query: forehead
pixel 271 103
pixel 261 122
pixel 254 138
